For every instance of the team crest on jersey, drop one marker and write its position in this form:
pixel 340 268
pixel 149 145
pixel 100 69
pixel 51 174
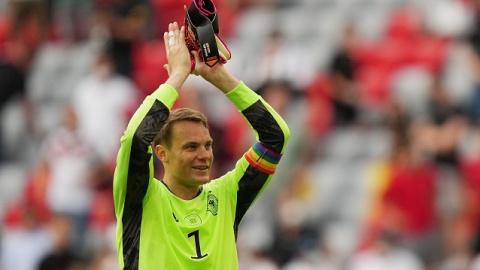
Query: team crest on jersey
pixel 212 204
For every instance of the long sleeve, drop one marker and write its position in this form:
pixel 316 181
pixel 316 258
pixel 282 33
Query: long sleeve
pixel 255 169
pixel 134 169
pixel 270 129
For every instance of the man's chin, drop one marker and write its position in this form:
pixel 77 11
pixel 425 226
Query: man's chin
pixel 201 179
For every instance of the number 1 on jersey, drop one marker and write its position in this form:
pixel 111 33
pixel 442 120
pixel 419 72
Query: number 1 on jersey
pixel 198 249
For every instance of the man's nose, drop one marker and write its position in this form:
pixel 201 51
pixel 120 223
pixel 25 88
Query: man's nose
pixel 203 153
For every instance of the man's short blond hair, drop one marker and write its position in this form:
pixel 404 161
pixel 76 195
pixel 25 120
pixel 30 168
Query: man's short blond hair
pixel 164 136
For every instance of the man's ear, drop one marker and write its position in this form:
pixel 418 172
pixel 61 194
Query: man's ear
pixel 161 153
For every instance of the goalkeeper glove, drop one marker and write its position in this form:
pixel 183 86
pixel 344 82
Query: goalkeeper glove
pixel 202 33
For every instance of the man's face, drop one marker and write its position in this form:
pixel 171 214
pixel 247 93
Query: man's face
pixel 189 159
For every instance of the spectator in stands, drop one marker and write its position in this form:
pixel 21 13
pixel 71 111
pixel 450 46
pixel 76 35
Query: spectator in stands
pixel 29 13
pixel 410 200
pixel 342 78
pixel 70 190
pixel 332 96
pixel 447 122
pixel 457 253
pixel 102 103
pixel 129 21
pixel 14 68
pixel 62 256
pixel 474 57
pixel 105 256
pixel 387 254
pixel 72 19
pixel 25 238
pixel 279 60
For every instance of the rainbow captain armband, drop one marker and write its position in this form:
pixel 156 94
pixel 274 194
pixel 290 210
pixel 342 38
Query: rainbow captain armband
pixel 263 158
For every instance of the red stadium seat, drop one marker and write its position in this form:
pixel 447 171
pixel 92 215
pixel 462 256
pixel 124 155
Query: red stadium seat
pixel 430 52
pixel 320 110
pixel 102 213
pixel 404 23
pixel 5 28
pixel 373 85
pixel 404 44
pixel 167 11
pixel 388 53
pixel 148 60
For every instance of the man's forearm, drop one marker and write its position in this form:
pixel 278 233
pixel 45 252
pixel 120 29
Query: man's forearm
pixel 222 79
pixel 176 80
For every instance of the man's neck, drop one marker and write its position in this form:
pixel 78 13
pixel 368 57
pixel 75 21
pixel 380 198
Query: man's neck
pixel 183 192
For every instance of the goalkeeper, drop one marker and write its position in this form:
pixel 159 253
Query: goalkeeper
pixel 187 220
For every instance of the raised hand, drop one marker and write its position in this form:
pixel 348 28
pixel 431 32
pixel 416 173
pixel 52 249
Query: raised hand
pixel 217 75
pixel 178 57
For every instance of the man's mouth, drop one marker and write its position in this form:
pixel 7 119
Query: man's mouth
pixel 200 168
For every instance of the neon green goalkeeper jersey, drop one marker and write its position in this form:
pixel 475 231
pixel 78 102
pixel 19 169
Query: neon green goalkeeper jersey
pixel 156 230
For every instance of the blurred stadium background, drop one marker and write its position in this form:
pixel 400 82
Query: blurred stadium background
pixel 382 98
